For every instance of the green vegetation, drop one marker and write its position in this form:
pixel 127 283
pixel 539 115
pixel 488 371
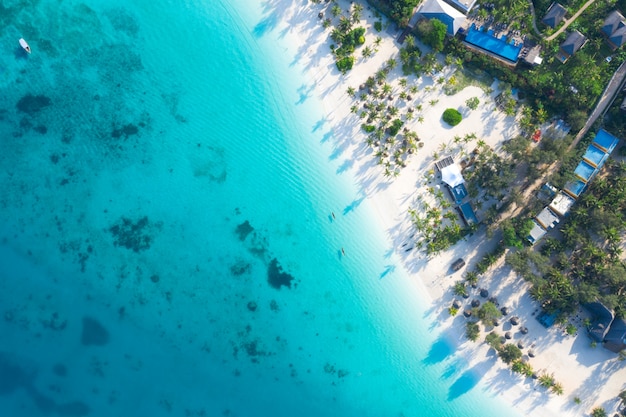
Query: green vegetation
pixel 452 117
pixel 396 124
pixel 509 353
pixel 398 10
pixel 432 32
pixel 598 412
pixel 345 64
pixel 378 26
pixel 522 368
pixel 515 231
pixel 488 313
pixel 493 340
pixel 472 331
pixel 472 103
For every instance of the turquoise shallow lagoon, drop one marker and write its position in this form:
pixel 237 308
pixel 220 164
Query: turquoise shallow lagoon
pixel 167 244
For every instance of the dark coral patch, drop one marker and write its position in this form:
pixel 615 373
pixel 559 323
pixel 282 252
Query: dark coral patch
pixel 125 131
pixel 94 333
pixel 32 104
pixel 276 277
pixel 132 235
pixel 244 229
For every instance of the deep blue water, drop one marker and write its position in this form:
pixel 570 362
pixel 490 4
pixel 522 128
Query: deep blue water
pixel 167 244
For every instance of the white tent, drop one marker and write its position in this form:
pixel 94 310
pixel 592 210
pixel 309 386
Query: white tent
pixel 451 175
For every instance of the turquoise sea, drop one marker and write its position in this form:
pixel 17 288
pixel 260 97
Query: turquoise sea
pixel 167 243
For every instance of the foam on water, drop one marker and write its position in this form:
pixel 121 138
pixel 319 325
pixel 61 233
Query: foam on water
pixel 160 166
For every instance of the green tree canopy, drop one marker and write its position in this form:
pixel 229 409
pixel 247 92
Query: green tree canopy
pixel 509 353
pixel 433 33
pixel 488 313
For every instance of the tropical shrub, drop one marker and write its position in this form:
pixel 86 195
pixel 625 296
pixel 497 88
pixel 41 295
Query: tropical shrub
pixel 452 117
pixel 345 64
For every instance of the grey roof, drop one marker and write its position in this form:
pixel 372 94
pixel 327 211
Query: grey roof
pixel 573 43
pixel 602 319
pixel 536 233
pixel 611 23
pixel 554 15
pixel 615 339
pixel 547 219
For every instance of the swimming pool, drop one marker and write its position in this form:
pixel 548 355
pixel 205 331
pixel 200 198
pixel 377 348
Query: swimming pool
pixel 468 214
pixel 605 141
pixel 492 44
pixel 575 188
pixel 594 156
pixel 584 171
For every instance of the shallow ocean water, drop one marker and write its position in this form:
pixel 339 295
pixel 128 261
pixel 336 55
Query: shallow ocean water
pixel 167 244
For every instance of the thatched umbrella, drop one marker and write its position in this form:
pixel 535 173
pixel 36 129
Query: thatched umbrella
pixel 496 323
pixel 524 330
pixel 484 293
pixel 514 320
pixel 531 353
pixel 475 303
pixel 467 313
pixel 494 300
pixel 466 295
pixel 456 304
pixel 320 15
pixel 508 335
pixel 504 311
pixel 520 344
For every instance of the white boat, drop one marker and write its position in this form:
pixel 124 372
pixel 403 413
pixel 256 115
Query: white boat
pixel 24 45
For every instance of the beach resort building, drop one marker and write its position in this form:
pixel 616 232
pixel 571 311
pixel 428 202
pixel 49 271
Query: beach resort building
pixel 453 179
pixel 614 29
pixel 572 44
pixel 605 328
pixel 615 339
pixel 438 9
pixel 555 15
pixel 593 159
pixel 463 5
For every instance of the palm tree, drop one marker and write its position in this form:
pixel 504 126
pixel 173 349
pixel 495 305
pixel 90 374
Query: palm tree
pixel 344 24
pixel 357 8
pixel 367 52
pixel 557 388
pixel 410 41
pixel 335 10
pixel 391 63
pixel 351 91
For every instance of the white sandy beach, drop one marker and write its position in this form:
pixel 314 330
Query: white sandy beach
pixel 593 375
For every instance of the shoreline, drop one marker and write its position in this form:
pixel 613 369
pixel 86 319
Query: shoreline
pixel 584 372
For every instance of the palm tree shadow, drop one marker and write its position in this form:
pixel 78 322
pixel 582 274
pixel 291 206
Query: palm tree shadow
pixel 388 269
pixel 355 203
pixel 265 25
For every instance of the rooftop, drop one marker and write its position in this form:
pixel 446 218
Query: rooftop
pixel 554 15
pixel 438 9
pixel 561 204
pixel 547 219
